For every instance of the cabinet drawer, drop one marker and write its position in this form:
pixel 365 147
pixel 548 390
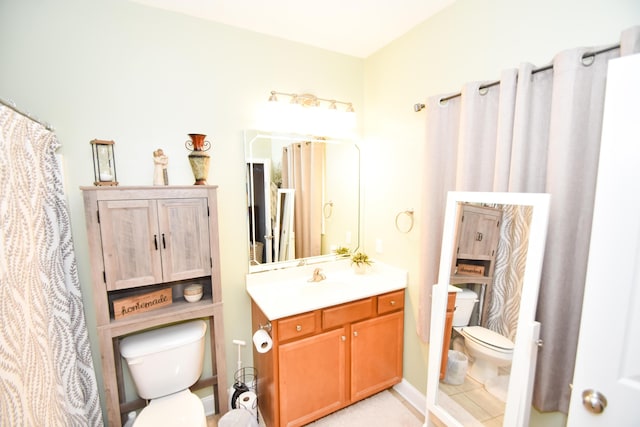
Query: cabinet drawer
pixel 297 326
pixel 391 301
pixel 347 313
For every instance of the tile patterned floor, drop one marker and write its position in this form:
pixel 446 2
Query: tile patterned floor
pixel 475 400
pixel 212 420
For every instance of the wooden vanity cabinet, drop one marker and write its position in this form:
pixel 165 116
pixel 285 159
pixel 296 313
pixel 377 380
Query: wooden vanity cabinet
pixel 312 377
pixel 148 239
pixel 327 359
pixel 448 323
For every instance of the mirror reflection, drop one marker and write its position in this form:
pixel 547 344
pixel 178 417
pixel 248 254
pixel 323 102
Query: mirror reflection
pixel 484 306
pixel 302 197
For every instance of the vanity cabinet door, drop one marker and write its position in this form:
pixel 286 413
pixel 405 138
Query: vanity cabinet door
pixel 313 372
pixel 376 354
pixel 145 242
pixel 448 324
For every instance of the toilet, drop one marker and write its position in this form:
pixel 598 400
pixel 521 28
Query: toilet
pixel 164 363
pixel 489 350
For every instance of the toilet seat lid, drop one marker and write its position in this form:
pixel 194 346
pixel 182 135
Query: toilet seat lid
pixel 488 337
pixel 179 409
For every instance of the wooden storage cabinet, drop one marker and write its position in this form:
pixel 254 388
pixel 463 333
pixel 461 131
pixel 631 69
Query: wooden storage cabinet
pixel 327 359
pixel 477 238
pixel 154 241
pixel 143 239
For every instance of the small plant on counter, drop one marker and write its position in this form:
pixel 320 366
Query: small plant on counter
pixel 342 251
pixel 360 258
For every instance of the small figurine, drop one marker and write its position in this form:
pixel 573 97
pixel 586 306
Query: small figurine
pixel 161 161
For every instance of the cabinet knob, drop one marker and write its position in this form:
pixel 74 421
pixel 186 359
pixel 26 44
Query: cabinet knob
pixel 343 338
pixel 298 328
pixel 392 302
pixel 355 333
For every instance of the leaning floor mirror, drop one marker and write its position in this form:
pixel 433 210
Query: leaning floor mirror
pixel 484 337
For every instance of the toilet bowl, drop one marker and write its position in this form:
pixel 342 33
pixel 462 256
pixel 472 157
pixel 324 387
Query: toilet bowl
pixel 164 363
pixel 489 350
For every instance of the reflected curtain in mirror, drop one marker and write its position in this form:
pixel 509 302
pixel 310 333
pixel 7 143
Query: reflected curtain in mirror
pixel 503 296
pixel 303 167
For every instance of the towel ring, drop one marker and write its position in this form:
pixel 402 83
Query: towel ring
pixel 329 205
pixel 409 213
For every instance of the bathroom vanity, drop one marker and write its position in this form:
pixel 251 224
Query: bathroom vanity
pixel 448 322
pixel 335 342
pixel 146 245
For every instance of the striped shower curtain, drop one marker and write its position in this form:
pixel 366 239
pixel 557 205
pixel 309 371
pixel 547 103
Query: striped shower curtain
pixel 46 371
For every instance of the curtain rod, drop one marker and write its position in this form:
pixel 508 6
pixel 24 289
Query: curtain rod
pixel 419 107
pixel 12 105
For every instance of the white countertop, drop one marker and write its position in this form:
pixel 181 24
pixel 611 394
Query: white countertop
pixel 285 292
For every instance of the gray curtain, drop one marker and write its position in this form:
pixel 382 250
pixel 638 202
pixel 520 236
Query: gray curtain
pixel 534 131
pixel 46 374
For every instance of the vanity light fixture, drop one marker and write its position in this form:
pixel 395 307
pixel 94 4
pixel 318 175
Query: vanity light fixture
pixel 309 100
pixel 307 114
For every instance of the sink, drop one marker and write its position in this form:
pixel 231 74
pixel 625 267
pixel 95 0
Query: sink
pixel 286 292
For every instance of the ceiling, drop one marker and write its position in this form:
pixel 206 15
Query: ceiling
pixel 352 27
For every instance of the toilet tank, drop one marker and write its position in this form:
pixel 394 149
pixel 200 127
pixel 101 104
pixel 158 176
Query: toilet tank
pixel 165 360
pixel 465 301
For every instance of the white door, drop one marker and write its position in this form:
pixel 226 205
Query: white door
pixel 608 360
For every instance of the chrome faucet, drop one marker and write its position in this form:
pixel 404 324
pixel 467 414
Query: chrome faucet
pixel 318 275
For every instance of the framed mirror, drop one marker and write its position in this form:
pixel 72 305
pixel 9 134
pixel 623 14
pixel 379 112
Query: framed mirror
pixel 303 197
pixel 484 337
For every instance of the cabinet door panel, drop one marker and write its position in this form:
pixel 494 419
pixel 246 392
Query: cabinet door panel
pixel 131 253
pixel 376 354
pixel 313 375
pixel 479 233
pixel 184 236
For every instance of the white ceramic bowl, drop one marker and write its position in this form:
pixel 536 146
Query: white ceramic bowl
pixel 193 293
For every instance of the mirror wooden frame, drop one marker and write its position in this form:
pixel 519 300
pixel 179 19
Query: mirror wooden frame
pixel 518 404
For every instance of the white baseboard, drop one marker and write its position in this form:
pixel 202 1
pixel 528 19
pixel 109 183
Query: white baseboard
pixel 412 395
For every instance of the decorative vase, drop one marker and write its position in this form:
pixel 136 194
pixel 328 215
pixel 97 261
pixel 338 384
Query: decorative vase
pixel 198 158
pixel 359 268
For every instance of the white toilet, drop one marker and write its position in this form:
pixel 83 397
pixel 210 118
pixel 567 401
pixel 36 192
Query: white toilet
pixel 489 350
pixel 164 363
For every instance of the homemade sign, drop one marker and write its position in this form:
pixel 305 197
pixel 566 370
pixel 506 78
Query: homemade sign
pixel 141 303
